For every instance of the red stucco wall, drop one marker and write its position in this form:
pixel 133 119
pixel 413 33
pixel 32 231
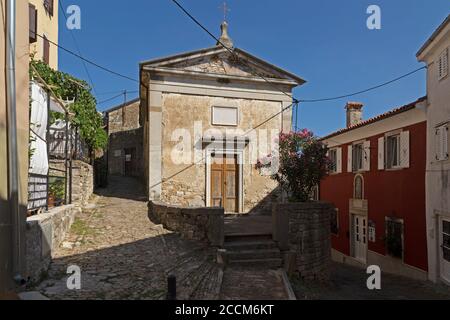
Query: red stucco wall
pixel 399 193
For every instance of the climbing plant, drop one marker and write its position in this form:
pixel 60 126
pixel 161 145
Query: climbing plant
pixel 85 116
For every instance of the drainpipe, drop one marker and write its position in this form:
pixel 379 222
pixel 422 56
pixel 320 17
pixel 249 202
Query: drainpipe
pixel 13 171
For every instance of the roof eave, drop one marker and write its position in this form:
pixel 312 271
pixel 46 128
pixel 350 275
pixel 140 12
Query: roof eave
pixel 433 37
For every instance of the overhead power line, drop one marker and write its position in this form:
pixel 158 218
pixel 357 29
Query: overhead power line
pixel 78 48
pixel 230 50
pixel 365 90
pixel 89 61
pixel 294 99
pixel 110 99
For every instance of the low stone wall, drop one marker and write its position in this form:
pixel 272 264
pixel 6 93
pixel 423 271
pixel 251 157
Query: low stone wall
pixel 204 224
pixel 302 231
pixel 82 179
pixel 82 182
pixel 44 233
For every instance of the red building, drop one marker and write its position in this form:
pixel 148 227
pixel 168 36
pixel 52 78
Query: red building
pixel 377 184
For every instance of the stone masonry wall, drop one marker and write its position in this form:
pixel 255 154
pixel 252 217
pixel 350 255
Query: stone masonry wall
pixel 82 179
pixel 184 184
pixel 304 230
pixel 204 224
pixel 44 233
pixel 125 132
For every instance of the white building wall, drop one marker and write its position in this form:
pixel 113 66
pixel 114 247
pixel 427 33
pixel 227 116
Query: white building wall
pixel 437 175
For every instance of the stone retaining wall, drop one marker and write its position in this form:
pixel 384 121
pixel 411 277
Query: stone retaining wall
pixel 204 224
pixel 44 233
pixel 82 179
pixel 302 231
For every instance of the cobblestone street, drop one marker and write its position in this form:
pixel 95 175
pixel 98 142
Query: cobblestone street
pixel 349 283
pixel 122 255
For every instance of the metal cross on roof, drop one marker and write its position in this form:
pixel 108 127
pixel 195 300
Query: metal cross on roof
pixel 225 9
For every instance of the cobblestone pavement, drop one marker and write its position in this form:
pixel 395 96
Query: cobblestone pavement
pixel 122 255
pixel 247 283
pixel 349 283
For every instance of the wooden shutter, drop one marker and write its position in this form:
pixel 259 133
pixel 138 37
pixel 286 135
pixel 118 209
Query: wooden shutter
pixel 443 64
pixel 444 137
pixel 366 156
pixel 404 149
pixel 349 159
pixel 339 160
pixel 46 56
pixel 442 143
pixel 50 7
pixel 381 153
pixel 32 16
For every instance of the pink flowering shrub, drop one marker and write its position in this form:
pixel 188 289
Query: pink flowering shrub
pixel 303 162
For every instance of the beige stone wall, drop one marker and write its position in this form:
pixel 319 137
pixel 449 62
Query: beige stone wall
pixel 185 184
pixel 22 80
pixel 124 119
pixel 47 25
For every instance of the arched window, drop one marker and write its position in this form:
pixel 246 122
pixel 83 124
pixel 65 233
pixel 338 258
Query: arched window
pixel 358 188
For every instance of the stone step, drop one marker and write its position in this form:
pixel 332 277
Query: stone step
pixel 272 263
pixel 250 245
pixel 253 254
pixel 235 237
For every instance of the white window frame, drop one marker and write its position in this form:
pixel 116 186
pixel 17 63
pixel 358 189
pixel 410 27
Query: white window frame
pixel 333 168
pixel 442 64
pixel 387 152
pixel 354 160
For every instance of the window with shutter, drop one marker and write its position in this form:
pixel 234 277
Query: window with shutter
pixel 357 157
pixel 442 64
pixel 332 155
pixel 46 55
pixel 33 23
pixel 393 151
pixel 442 143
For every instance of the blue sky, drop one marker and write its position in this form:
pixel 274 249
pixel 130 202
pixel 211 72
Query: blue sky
pixel 325 42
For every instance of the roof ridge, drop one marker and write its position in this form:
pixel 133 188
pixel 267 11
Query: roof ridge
pixel 376 118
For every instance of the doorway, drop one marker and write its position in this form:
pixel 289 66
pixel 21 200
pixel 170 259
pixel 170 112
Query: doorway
pixel 224 183
pixel 444 231
pixel 359 237
pixel 130 162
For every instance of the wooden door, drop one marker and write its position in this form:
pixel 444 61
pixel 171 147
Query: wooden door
pixel 224 183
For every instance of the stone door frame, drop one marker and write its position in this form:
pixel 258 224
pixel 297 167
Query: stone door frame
pixel 219 149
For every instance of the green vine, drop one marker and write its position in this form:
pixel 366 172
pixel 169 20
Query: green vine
pixel 85 115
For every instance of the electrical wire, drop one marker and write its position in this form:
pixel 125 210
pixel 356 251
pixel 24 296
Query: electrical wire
pixel 89 61
pixel 78 48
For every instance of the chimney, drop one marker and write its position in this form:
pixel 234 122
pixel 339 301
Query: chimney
pixel 354 113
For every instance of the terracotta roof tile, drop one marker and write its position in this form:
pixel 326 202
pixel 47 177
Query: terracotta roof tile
pixel 377 118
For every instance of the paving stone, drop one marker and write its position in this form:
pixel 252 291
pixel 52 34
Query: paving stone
pixel 128 259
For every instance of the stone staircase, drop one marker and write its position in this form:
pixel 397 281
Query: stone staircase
pixel 252 250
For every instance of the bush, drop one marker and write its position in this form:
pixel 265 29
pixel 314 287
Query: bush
pixel 303 162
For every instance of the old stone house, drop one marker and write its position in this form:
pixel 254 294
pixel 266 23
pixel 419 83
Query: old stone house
pixel 207 115
pixel 125 140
